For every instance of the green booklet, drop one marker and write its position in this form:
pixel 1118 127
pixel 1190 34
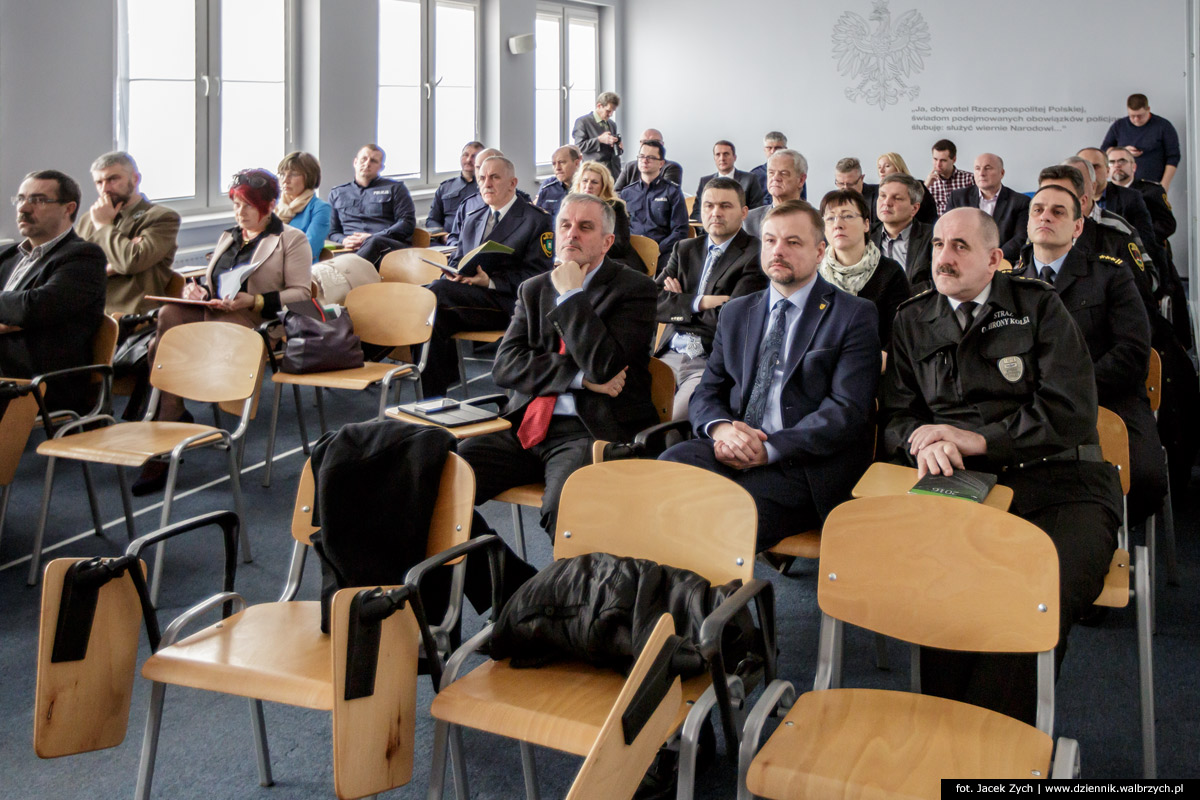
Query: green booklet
pixel 484 256
pixel 964 483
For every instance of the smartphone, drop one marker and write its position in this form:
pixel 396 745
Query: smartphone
pixel 433 406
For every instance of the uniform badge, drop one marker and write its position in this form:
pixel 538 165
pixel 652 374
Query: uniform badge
pixel 1137 256
pixel 1012 368
pixel 547 242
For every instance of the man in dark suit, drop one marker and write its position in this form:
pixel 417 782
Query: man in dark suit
pixel 724 157
pixel 701 276
pixel 784 407
pixel 52 287
pixel 575 361
pixel 773 142
pixel 1126 203
pixel 596 136
pixel 1122 170
pixel 481 299
pixel 898 235
pixel 848 174
pixel 1009 209
pixel 1103 301
pixel 671 170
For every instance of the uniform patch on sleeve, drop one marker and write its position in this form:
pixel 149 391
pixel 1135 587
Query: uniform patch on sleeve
pixel 1137 256
pixel 547 242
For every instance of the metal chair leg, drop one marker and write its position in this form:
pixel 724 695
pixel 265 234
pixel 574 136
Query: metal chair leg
pixel 300 419
pixel 239 505
pixel 458 764
pixel 1168 529
pixel 437 769
pixel 126 503
pixel 35 556
pixel 164 518
pixel 321 409
pixel 519 531
pixel 270 457
pixel 97 522
pixel 259 724
pixel 529 770
pixel 459 345
pixel 150 742
pixel 1141 577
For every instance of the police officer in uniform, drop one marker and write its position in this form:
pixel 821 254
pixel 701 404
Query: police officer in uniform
pixel 371 215
pixel 1123 171
pixel 656 206
pixel 474 202
pixel 452 192
pixel 565 162
pixel 989 372
pixel 1103 301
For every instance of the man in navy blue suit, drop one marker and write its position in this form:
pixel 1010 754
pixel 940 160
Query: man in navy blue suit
pixel 482 299
pixel 784 407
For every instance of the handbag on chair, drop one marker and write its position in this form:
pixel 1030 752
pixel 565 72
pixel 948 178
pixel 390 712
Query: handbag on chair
pixel 316 346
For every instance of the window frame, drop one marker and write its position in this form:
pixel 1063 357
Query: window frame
pixel 566 13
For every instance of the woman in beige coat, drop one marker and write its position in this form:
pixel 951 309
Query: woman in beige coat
pixel 258 268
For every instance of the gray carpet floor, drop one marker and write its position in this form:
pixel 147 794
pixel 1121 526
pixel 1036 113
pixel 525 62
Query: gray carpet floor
pixel 206 750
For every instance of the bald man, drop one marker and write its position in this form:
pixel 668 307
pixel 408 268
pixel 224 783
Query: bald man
pixel 1009 209
pixel 565 162
pixel 629 173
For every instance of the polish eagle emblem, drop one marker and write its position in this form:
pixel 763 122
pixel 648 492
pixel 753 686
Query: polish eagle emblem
pixel 882 59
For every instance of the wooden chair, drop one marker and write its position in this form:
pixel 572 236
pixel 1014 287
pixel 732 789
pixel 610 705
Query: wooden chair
pixel 389 314
pixel 1119 588
pixel 689 202
pixel 209 362
pixel 406 266
pixel 16 423
pixel 935 572
pixel 647 250
pixel 420 237
pixel 669 513
pixel 615 764
pixel 662 394
pixel 1167 512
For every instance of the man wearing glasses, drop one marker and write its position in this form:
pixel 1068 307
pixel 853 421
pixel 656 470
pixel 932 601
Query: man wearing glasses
pixel 656 206
pixel 52 288
pixel 629 173
pixel 1122 170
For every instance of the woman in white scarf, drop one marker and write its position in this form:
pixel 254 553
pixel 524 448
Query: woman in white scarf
pixel 854 264
pixel 299 176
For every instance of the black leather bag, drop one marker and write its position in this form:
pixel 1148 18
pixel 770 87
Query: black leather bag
pixel 316 346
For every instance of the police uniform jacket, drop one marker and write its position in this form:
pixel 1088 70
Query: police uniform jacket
pixel 1159 206
pixel 736 273
pixel 551 194
pixel 629 174
pixel 140 248
pixel 1128 203
pixel 918 260
pixel 526 229
pixel 755 196
pixel 383 207
pixel 1020 376
pixel 449 196
pixel 1121 247
pixel 469 205
pixel 1011 216
pixel 656 210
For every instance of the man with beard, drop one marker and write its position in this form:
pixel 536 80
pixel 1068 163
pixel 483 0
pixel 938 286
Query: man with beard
pixel 137 236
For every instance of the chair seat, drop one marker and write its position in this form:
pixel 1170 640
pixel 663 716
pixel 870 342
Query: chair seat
pixel 358 378
pixel 853 742
pixel 561 706
pixel 478 336
pixel 126 444
pixel 528 495
pixel 801 545
pixel 1115 593
pixel 272 651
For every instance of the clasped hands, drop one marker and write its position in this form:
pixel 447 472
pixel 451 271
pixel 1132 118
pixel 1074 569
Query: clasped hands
pixel 939 449
pixel 737 445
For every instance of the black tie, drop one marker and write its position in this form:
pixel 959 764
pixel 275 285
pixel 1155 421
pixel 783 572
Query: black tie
pixel 1048 275
pixel 966 314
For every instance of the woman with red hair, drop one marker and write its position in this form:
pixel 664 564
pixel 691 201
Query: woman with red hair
pixel 259 266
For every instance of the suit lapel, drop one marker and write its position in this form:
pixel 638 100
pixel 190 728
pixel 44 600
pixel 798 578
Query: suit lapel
pixel 733 251
pixel 36 270
pixel 756 323
pixel 1002 199
pixel 820 300
pixel 1075 266
pixel 507 223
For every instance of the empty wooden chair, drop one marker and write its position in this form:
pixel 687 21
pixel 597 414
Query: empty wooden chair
pixel 409 266
pixel 647 250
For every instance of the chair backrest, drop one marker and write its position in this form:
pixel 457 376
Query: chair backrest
pixel 391 314
pixel 420 237
pixel 662 389
pixel 613 769
pixel 406 266
pixel 373 736
pixel 1154 380
pixel 647 250
pixel 940 572
pixel 175 285
pixel 15 427
pixel 670 513
pixel 452 513
pixel 80 706
pixel 210 362
pixel 689 202
pixel 1114 444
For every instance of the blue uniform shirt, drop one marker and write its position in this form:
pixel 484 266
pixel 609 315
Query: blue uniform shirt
pixel 446 200
pixel 550 196
pixel 656 210
pixel 383 206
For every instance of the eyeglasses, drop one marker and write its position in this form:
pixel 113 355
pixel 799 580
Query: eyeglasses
pixel 1114 161
pixel 843 218
pixel 37 200
pixel 253 180
pixel 648 158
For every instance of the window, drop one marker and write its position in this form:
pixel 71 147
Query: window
pixel 567 73
pixel 427 78
pixel 199 98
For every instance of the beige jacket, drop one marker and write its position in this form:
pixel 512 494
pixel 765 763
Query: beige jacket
pixel 283 263
pixel 140 248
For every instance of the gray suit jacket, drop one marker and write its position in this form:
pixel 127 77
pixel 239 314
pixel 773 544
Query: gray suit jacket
pixel 585 133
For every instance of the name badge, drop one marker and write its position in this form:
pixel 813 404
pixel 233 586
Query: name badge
pixel 1012 368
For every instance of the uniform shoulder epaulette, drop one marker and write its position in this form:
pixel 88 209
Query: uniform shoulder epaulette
pixel 1111 259
pixel 1029 280
pixel 539 208
pixel 916 297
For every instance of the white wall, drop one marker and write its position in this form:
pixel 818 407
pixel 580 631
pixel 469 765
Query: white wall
pixel 702 70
